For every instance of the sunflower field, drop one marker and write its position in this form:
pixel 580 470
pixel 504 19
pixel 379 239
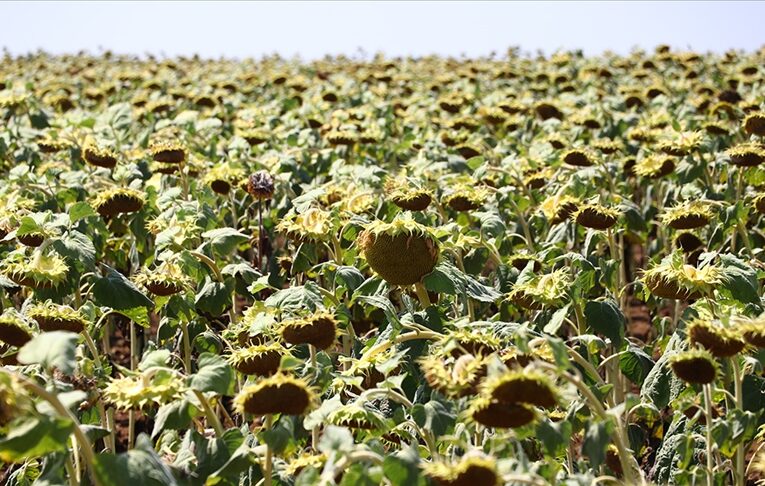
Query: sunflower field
pixel 510 270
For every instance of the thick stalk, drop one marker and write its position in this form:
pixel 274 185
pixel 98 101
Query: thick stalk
pixel 186 346
pixel 133 366
pixel 269 453
pixel 212 418
pixel 738 392
pixel 260 234
pixel 422 295
pixel 708 412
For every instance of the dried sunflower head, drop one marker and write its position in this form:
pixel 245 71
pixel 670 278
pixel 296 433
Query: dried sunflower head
pixel 492 413
pixel 471 470
pixel 313 225
pixel 694 366
pixel 541 290
pixel 167 151
pixel 521 386
pixel 721 341
pixel 99 156
pixel 166 279
pixel 754 123
pixel 747 154
pixel 688 215
pixel 654 166
pixel 56 317
pixel 318 330
pixel 279 393
pixel 141 392
pixel 118 201
pixel 40 271
pixel 260 185
pixel 596 216
pixel 260 359
pixel 14 329
pixel 674 279
pixel 453 377
pixel 465 198
pixel 402 252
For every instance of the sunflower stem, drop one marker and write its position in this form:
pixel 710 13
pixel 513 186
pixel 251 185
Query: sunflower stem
pixel 260 235
pixel 133 366
pixel 186 346
pixel 739 397
pixel 708 413
pixel 269 453
pixel 422 295
pixel 212 417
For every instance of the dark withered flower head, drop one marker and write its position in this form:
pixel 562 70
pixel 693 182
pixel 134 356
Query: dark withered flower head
pixel 260 185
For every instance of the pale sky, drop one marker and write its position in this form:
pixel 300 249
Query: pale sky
pixel 313 29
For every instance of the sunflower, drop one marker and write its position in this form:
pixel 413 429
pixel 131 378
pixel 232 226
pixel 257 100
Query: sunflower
pixel 166 279
pixel 722 342
pixel 674 279
pixel 401 252
pixel 654 166
pixel 319 330
pixel 140 392
pixel 747 154
pixel 99 156
pixel 259 360
pixel 55 317
pixel 694 366
pixel 688 215
pixel 118 201
pixel 279 393
pixel 40 271
pixel 14 329
pixel 313 225
pixel 596 216
pixel 541 290
pixel 471 470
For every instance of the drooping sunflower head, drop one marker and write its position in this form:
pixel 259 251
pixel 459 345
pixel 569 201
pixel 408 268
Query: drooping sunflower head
pixel 559 208
pixel 463 197
pixel 688 215
pixel 99 156
pixel 475 341
pixel 754 123
pixel 682 143
pixel 168 151
pixel 296 465
pixel 596 216
pixel 259 360
pixel 471 470
pixel 491 413
pixel 168 278
pixel 521 386
pixel 694 366
pixel 358 416
pixel 313 225
pixel 541 290
pixel 654 166
pixel 407 196
pixel 721 341
pixel 141 392
pixel 674 279
pixel 453 377
pixel 222 177
pixel 579 157
pixel 748 154
pixel 752 330
pixel 279 393
pixel 118 201
pixel 318 330
pixel 402 252
pixel 14 329
pixel 56 317
pixel 40 271
pixel 338 137
pixel 50 145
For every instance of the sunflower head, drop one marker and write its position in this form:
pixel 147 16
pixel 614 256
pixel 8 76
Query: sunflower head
pixel 55 317
pixel 358 416
pixel 167 151
pixel 688 215
pixel 259 360
pixel 117 201
pixel 473 341
pixel 492 413
pixel 654 166
pixel 260 185
pixel 402 252
pixel 49 145
pixel 466 198
pixel 14 330
pixel 166 279
pixel 578 157
pixel 140 392
pixel 694 366
pixel 722 342
pixel 454 377
pixel 559 208
pixel 408 197
pixel 99 156
pixel 681 144
pixel 40 271
pixel 596 216
pixel 222 177
pixel 279 393
pixel 674 279
pixel 541 290
pixel 754 123
pixel 313 225
pixel 747 154
pixel 520 386
pixel 296 465
pixel 318 330
pixel 471 470
pixel 753 331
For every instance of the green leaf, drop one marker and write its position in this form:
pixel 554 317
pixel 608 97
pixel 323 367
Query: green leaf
pixel 335 439
pixel 448 279
pixel 349 277
pixel 740 280
pixel 402 468
pixel 80 210
pixel 605 317
pixel 296 298
pixel 596 440
pixel 34 438
pixel 434 416
pixel 555 436
pixel 51 350
pixel 119 293
pixel 77 247
pixel 214 297
pixel 174 416
pixel 224 240
pixel 214 375
pixel 141 466
pixel 557 319
pixel 661 385
pixel 159 358
pixel 635 364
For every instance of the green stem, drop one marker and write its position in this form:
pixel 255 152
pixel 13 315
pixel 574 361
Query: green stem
pixel 186 346
pixel 212 418
pixel 422 295
pixel 739 396
pixel 708 412
pixel 269 453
